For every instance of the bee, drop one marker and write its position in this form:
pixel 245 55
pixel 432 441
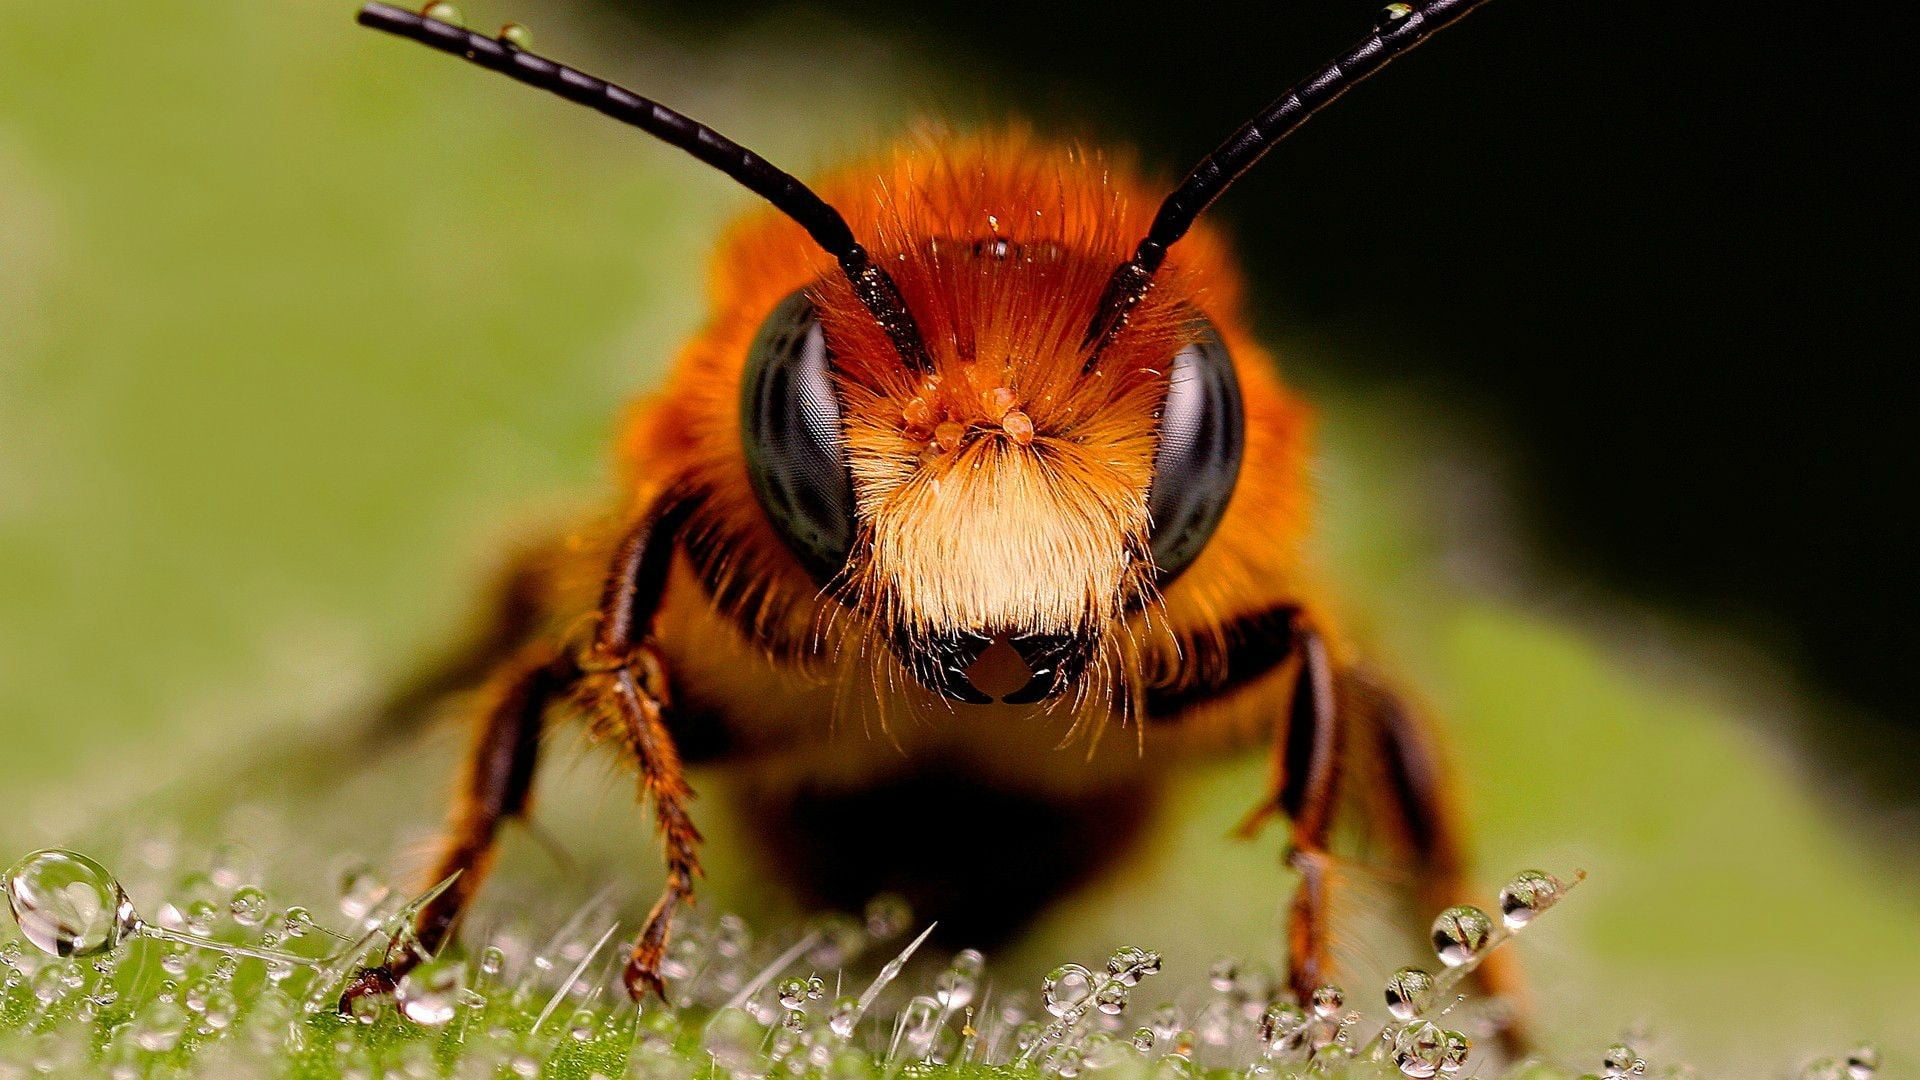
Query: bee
pixel 974 490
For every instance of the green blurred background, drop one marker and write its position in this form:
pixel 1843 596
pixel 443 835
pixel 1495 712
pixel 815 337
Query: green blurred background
pixel 298 326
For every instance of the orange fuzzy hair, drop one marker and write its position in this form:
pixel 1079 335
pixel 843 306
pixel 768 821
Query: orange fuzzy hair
pixel 1011 485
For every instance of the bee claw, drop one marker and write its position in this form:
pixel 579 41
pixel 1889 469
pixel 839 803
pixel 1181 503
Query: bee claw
pixel 642 979
pixel 367 982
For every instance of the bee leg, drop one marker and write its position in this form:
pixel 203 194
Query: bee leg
pixel 623 690
pixel 1309 781
pixel 632 702
pixel 1418 799
pixel 496 785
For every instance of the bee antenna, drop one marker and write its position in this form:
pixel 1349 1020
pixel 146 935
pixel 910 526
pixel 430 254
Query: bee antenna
pixel 828 228
pixel 1398 29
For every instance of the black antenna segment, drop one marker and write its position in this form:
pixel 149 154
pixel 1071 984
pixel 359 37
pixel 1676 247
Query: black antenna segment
pixel 1398 29
pixel 828 228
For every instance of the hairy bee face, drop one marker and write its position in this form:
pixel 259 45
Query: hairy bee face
pixel 1013 498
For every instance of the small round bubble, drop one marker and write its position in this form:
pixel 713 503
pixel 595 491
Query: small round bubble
pixel 1460 934
pixel 1408 992
pixel 954 988
pixel 1392 14
pixel 429 994
pixel 1224 973
pixel 160 1026
pixel 1454 1051
pixel 1419 1050
pixel 1066 989
pixel 248 906
pixel 444 12
pixel 69 905
pixel 1528 894
pixel 843 1016
pixel 1328 1000
pixel 516 36
pixel 888 916
pixel 793 994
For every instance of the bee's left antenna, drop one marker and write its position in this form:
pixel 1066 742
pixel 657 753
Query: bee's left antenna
pixel 1398 28
pixel 828 228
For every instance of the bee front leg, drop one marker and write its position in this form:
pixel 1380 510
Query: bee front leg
pixel 496 785
pixel 1309 756
pixel 624 691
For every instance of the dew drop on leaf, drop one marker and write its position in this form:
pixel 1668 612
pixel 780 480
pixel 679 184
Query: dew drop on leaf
pixel 1408 992
pixel 67 904
pixel 1066 989
pixel 1460 934
pixel 429 994
pixel 1528 894
pixel 1418 1050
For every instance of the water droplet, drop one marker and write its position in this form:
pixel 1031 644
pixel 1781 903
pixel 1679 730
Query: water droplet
pixel 1392 14
pixel 248 906
pixel 297 922
pixel 160 1026
pixel 515 36
pixel 732 1038
pixel 731 937
pixel 67 904
pixel 954 988
pixel 443 12
pixel 888 916
pixel 1418 1050
pixel 1143 1039
pixel 842 1017
pixel 1328 1000
pixel 429 993
pixel 919 1024
pixel 1223 974
pixel 219 1008
pixel 493 961
pixel 1620 1061
pixel 232 865
pixel 1283 1027
pixel 1528 894
pixel 1111 997
pixel 793 994
pixel 366 1008
pixel 1460 933
pixel 1166 1021
pixel 1863 1063
pixel 200 916
pixel 1131 964
pixel 1453 1056
pixel 361 890
pixel 1408 992
pixel 1066 990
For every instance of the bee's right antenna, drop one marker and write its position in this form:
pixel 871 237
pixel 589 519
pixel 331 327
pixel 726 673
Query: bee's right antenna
pixel 828 228
pixel 1399 28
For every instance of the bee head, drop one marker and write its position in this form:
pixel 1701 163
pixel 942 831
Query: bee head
pixel 995 506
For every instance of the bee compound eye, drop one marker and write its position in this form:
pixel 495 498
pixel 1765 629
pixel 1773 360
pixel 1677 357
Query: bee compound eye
pixel 795 446
pixel 1202 435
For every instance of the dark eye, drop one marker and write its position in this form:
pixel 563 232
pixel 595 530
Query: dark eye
pixel 1202 432
pixel 796 454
